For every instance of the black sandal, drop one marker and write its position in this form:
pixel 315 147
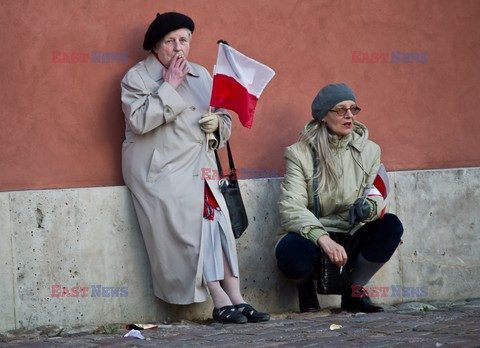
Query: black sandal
pixel 229 315
pixel 251 313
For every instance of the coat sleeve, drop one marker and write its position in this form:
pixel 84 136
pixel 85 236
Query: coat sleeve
pixel 293 204
pixel 376 202
pixel 218 138
pixel 224 127
pixel 145 109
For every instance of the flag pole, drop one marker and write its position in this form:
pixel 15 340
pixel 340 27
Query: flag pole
pixel 210 107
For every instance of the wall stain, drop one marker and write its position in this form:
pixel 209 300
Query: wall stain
pixel 39 215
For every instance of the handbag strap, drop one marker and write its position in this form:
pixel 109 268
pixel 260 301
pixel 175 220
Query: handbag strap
pixel 230 161
pixel 315 184
pixel 230 158
pixel 219 164
pixel 316 203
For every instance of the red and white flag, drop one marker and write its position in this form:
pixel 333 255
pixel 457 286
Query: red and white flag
pixel 381 187
pixel 238 82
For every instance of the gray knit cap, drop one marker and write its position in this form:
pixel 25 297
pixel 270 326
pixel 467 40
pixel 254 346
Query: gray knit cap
pixel 328 97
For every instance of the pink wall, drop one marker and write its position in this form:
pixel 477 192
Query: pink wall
pixel 62 124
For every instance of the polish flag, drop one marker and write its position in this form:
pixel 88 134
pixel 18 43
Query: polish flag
pixel 238 82
pixel 381 181
pixel 381 187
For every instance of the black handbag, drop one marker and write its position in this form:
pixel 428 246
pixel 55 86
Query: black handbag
pixel 332 280
pixel 233 198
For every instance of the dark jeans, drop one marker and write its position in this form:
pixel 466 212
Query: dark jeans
pixel 377 241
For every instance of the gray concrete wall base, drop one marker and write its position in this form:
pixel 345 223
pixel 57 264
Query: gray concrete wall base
pixel 74 238
pixel 441 248
pixel 7 283
pixel 90 238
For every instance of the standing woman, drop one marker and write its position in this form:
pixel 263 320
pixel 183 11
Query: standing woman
pixel 346 166
pixel 169 139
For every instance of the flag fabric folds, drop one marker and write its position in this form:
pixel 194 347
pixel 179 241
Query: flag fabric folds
pixel 238 82
pixel 381 181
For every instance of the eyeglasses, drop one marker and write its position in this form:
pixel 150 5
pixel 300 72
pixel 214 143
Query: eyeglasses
pixel 343 111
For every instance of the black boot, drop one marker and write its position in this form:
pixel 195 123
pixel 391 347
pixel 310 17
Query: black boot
pixel 357 300
pixel 307 297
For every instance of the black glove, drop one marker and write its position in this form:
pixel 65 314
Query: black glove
pixel 359 211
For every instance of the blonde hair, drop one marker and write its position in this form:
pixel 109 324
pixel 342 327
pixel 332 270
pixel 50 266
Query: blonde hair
pixel 314 137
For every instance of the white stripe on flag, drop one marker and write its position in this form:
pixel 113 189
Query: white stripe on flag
pixel 254 76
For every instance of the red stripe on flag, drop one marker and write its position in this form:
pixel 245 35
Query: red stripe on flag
pixel 229 94
pixel 380 185
pixel 382 212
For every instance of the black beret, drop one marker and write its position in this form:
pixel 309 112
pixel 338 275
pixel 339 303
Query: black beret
pixel 163 24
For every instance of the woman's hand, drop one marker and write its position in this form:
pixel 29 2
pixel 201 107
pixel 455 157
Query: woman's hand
pixel 335 251
pixel 176 72
pixel 209 123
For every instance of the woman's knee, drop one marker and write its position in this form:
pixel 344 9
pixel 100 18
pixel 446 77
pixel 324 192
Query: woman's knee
pixel 296 256
pixel 382 238
pixel 393 227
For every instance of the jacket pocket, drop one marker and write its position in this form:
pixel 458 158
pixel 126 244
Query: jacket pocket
pixel 157 167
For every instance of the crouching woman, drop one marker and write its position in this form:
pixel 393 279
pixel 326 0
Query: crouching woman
pixel 324 203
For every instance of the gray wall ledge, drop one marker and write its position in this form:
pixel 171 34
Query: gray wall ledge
pixel 90 238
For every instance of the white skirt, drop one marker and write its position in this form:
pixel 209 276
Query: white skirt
pixel 215 241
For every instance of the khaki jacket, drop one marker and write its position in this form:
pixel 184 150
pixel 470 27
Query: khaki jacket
pixel 357 160
pixel 164 156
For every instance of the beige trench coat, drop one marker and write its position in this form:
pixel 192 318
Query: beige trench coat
pixel 163 155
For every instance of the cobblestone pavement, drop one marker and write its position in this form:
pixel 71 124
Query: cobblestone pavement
pixel 435 324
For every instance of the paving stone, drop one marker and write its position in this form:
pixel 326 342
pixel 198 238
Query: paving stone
pixel 473 304
pixel 472 299
pixel 453 324
pixel 416 306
